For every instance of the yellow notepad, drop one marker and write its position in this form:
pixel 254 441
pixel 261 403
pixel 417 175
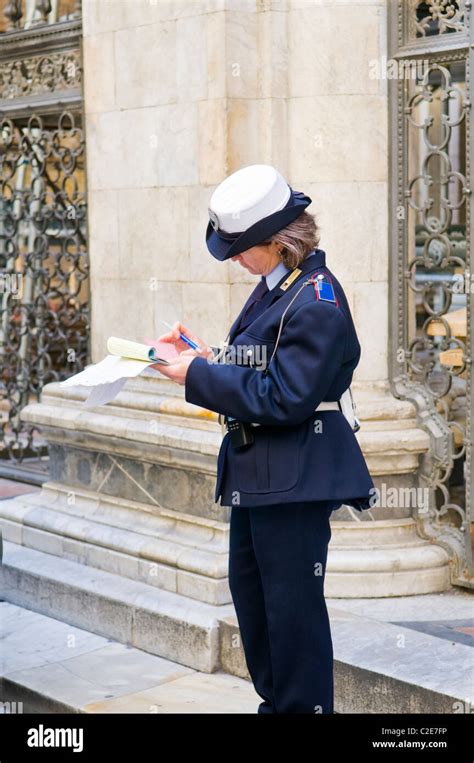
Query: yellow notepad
pixel 125 348
pixel 125 360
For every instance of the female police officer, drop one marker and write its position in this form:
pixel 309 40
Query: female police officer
pixel 289 457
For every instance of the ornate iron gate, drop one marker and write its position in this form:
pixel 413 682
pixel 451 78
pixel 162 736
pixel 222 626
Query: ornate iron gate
pixel 44 292
pixel 431 263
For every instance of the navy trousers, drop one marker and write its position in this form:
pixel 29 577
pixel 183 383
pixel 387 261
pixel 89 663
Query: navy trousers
pixel 277 565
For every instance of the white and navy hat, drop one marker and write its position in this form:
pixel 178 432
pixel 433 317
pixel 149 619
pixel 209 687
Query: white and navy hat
pixel 248 207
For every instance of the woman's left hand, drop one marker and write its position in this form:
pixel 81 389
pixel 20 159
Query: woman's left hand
pixel 178 367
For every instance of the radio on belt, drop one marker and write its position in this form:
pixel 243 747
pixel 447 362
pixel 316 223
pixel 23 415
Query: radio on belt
pixel 240 433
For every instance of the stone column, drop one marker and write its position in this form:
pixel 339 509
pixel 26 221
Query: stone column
pixel 338 152
pixel 177 96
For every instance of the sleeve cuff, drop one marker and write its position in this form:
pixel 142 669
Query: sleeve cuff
pixel 192 385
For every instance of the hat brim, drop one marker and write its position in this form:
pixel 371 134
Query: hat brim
pixel 222 248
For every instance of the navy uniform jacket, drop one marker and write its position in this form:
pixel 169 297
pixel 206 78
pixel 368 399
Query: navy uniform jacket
pixel 297 454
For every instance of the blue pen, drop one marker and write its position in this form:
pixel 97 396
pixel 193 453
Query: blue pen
pixel 190 342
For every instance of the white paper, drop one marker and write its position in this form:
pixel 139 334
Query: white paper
pixel 104 393
pixel 106 378
pixel 110 369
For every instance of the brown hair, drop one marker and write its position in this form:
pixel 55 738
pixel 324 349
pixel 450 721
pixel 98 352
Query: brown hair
pixel 298 239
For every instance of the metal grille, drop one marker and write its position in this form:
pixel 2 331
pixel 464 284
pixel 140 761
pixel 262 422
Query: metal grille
pixel 44 290
pixel 431 283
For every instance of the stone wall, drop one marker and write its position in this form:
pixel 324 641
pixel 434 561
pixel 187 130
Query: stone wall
pixel 178 95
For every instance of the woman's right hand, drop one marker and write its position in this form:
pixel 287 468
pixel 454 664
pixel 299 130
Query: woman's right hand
pixel 172 337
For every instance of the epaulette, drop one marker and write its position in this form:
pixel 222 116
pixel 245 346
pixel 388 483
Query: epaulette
pixel 323 288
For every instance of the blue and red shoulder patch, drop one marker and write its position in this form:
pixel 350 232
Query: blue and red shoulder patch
pixel 323 288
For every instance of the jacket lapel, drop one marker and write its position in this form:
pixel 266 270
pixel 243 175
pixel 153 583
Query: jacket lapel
pixel 314 262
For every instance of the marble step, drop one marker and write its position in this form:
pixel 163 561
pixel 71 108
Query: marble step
pixel 383 667
pixel 164 548
pixel 49 666
pixel 160 622
pixel 380 666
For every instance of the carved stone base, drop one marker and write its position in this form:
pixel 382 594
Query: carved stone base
pixel 166 549
pixel 383 558
pixel 132 484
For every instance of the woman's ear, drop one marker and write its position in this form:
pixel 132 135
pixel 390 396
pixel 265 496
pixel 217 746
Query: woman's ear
pixel 274 246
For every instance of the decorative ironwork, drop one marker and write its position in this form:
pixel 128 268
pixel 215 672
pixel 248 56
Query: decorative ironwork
pixel 44 9
pixel 40 74
pixel 435 17
pixel 44 324
pixel 44 291
pixel 432 341
pixel 13 13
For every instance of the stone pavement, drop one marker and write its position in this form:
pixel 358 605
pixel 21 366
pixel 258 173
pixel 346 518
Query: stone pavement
pixel 391 656
pixel 404 654
pixel 10 488
pixel 448 615
pixel 54 667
